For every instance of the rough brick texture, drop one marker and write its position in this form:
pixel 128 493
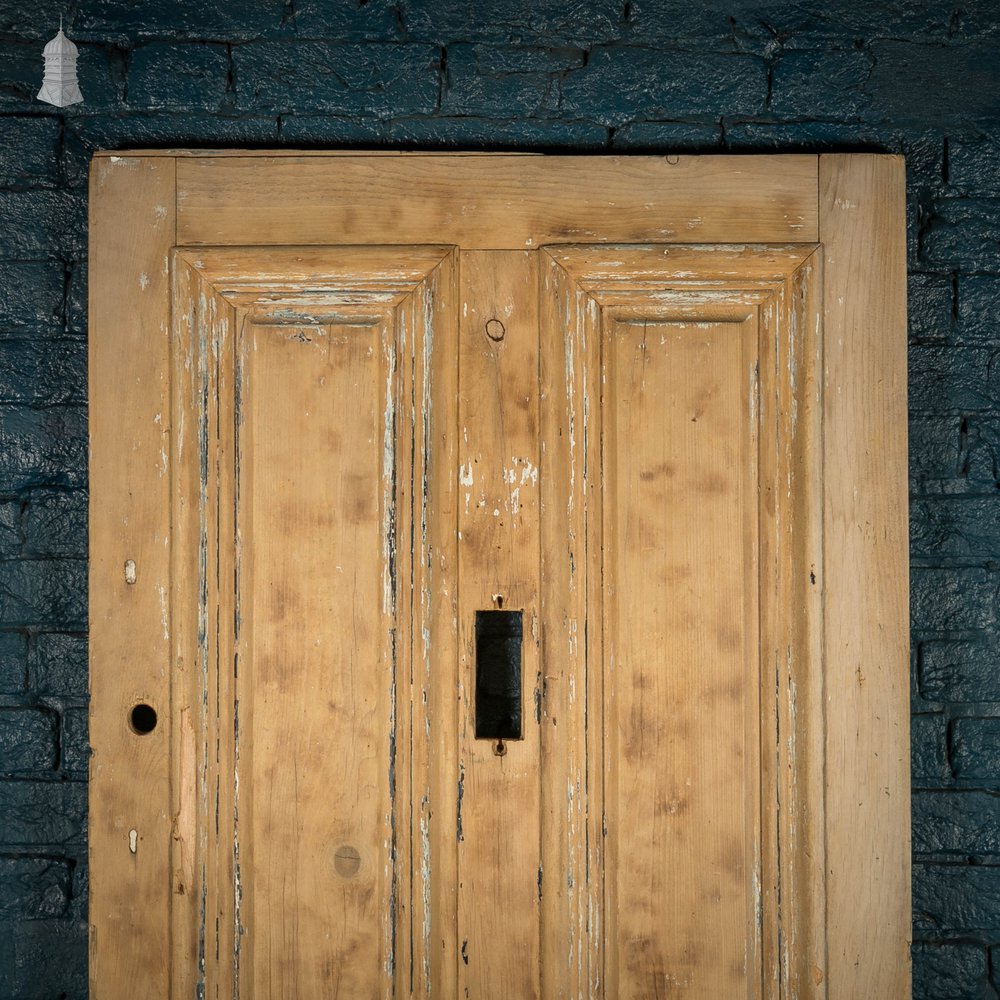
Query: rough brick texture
pixel 654 76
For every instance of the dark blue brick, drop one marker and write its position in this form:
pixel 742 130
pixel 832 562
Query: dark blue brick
pixel 383 79
pixel 75 748
pixel 81 885
pixel 35 20
pixel 57 665
pixel 935 84
pixel 957 824
pixel 972 165
pixel 42 224
pixel 10 529
pixel 20 79
pixel 675 23
pixel 928 749
pixel 31 297
pixel 490 81
pixel 28 740
pixel 648 85
pixel 37 592
pixel 979 307
pixel 980 456
pixel 959 899
pixel 821 84
pixel 668 137
pixel 43 960
pixel 442 133
pixel 34 888
pixel 841 22
pixel 964 233
pixel 975 748
pixel 42 372
pixel 949 971
pixel 42 447
pixel 808 137
pixel 43 813
pixel 966 670
pixel 13 662
pixel 954 377
pixel 29 151
pixel 955 527
pixel 54 523
pixel 124 21
pixel 952 599
pixel 929 308
pixel 936 453
pixel 309 19
pixel 76 305
pixel 516 21
pixel 178 76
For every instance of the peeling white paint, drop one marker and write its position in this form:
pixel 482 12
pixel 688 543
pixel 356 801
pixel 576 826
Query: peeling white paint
pixel 133 841
pixel 164 611
pixel 143 280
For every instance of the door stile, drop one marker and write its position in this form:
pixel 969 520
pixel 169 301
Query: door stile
pixel 866 610
pixel 130 815
pixel 500 824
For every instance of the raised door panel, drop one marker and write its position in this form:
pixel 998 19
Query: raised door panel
pixel 681 564
pixel 303 380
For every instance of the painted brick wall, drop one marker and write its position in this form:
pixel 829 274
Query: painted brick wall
pixel 647 75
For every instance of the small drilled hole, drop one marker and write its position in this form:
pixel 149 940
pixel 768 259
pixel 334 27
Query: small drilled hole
pixel 143 719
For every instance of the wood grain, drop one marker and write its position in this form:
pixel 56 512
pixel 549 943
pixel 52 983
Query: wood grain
pixel 627 315
pixel 867 603
pixel 129 833
pixel 498 862
pixel 682 669
pixel 496 201
pixel 281 385
pixel 331 412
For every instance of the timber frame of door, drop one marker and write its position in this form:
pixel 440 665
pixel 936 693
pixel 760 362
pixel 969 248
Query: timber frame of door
pixel 848 209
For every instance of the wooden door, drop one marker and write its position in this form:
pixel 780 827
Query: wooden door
pixel 646 418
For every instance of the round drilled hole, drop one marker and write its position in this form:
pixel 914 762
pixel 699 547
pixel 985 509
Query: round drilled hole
pixel 142 719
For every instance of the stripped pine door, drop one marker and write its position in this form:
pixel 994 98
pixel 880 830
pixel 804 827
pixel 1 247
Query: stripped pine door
pixel 474 596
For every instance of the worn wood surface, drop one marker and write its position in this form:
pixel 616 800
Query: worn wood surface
pixel 867 594
pixel 681 667
pixel 286 384
pixel 496 201
pixel 631 317
pixel 352 467
pixel 129 833
pixel 498 840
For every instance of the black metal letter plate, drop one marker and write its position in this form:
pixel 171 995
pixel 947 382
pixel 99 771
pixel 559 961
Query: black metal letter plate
pixel 498 675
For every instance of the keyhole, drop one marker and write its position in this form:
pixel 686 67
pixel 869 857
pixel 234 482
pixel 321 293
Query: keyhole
pixel 499 749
